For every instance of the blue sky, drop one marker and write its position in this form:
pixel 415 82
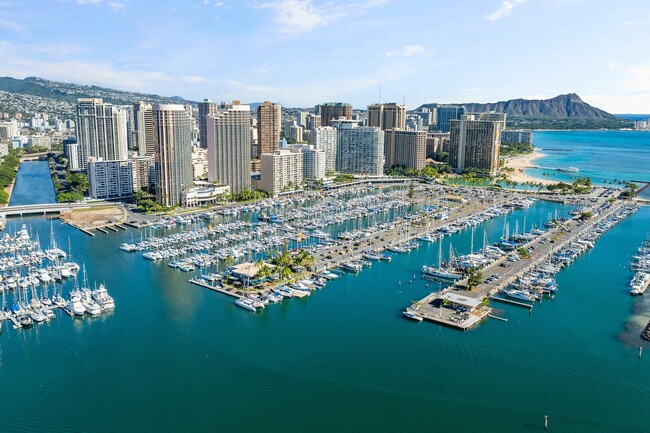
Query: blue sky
pixel 302 52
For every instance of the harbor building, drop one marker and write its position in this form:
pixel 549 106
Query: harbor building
pixel 281 171
pixel 325 138
pixel 101 130
pixel 143 129
pixel 474 143
pixel 447 113
pixel 110 179
pixel 206 108
pixel 229 149
pixel 387 116
pixel 204 194
pixel 269 126
pixel 173 157
pixel 331 111
pixel 405 148
pixel 360 149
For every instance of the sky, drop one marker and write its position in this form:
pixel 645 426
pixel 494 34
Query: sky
pixel 304 52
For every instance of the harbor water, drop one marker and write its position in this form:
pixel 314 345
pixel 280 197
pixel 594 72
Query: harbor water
pixel 177 357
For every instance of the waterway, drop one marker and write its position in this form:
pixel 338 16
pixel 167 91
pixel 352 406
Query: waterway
pixel 176 357
pixel 33 184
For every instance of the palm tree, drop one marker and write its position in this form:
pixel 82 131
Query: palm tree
pixel 474 278
pixel 229 261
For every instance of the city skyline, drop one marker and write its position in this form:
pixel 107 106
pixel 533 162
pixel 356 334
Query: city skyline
pixel 439 51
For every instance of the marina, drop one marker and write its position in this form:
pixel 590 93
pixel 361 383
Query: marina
pixel 196 340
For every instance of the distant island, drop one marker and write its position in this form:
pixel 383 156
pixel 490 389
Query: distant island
pixel 561 112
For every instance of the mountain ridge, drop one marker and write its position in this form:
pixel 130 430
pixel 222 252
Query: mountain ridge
pixel 70 92
pixel 565 106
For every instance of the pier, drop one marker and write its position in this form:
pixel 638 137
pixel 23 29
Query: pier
pixel 508 272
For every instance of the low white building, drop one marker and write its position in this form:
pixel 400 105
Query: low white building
pixel 110 179
pixel 204 194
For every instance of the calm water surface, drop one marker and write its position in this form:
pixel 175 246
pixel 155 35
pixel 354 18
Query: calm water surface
pixel 175 357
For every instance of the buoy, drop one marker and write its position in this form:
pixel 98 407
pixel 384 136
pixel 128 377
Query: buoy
pixel 399 284
pixel 427 285
pixel 410 282
pixel 545 422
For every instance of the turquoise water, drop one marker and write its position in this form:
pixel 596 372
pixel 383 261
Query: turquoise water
pixel 33 184
pixel 600 155
pixel 175 357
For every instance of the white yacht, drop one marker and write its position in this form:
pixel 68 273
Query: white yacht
pixel 519 294
pixel 101 296
pixel 74 306
pixel 91 306
pixel 246 304
pixel 411 315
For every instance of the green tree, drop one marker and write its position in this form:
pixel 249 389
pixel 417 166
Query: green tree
pixel 474 278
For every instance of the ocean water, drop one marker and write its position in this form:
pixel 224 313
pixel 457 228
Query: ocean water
pixel 604 156
pixel 176 357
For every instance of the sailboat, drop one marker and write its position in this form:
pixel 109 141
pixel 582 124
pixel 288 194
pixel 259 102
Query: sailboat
pixel 443 272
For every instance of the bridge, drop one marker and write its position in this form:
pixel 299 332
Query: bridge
pixel 42 209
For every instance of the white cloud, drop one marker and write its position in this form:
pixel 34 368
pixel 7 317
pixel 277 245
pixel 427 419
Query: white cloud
pixel 299 16
pixel 504 10
pixel 409 51
pixel 116 6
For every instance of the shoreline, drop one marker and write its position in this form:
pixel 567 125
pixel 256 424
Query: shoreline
pixel 521 162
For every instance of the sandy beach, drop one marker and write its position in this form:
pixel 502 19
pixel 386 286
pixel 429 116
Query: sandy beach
pixel 519 163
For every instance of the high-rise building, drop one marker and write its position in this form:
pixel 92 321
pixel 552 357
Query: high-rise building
pixel 229 154
pixel 360 149
pixel 325 138
pixel 143 129
pixel 281 171
pixel 302 119
pixel 387 116
pixel 314 163
pixel 330 111
pixel 110 179
pixel 475 144
pixel 405 148
pixel 447 113
pixel 313 121
pixel 143 173
pixel 295 134
pixel 206 108
pixel 173 157
pixel 101 130
pixel 73 155
pixel 269 126
pixel 437 142
pixel 518 136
